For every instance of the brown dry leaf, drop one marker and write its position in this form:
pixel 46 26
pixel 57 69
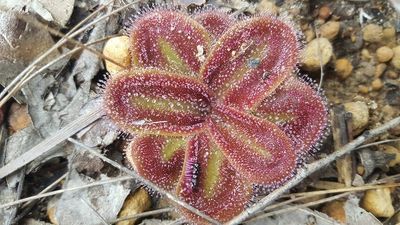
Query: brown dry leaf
pixel 57 11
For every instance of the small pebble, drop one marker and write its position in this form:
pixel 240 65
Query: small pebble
pixel 267 6
pixel 330 29
pixel 376 84
pixel 389 32
pixel 335 209
pixel 117 48
pixel 316 52
pixel 360 170
pixel 363 89
pixel 134 204
pixel 389 36
pixel 391 74
pixel 391 150
pixel 389 112
pixel 360 115
pixel 372 33
pixel 378 202
pixel 309 34
pixel 365 55
pixel 396 57
pixel 384 54
pixel 324 12
pixel 379 69
pixel 343 68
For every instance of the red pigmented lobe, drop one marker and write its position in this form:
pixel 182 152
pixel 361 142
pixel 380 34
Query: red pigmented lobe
pixel 182 32
pixel 261 73
pixel 145 153
pixel 230 194
pixel 150 87
pixel 216 22
pixel 304 113
pixel 266 154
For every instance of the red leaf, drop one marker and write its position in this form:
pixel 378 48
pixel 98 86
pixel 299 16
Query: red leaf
pixel 299 110
pixel 210 184
pixel 157 102
pixel 169 40
pixel 158 158
pixel 256 148
pixel 215 21
pixel 250 60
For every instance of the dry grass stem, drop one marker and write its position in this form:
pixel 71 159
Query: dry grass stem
pixel 49 143
pixel 52 193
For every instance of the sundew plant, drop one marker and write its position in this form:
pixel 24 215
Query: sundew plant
pixel 215 106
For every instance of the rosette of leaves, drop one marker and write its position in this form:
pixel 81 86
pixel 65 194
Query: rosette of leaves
pixel 215 106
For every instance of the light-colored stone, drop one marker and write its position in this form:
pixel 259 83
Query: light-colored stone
pixel 360 115
pixel 134 204
pixel 384 54
pixel 376 84
pixel 360 170
pixel 330 29
pixel 324 12
pixel 396 57
pixel 391 74
pixel 372 33
pixel 267 6
pixel 309 35
pixel 389 32
pixel 378 202
pixel 365 55
pixel 379 69
pixel 343 68
pixel 335 209
pixel 318 51
pixel 391 150
pixel 389 36
pixel 117 48
pixel 363 89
